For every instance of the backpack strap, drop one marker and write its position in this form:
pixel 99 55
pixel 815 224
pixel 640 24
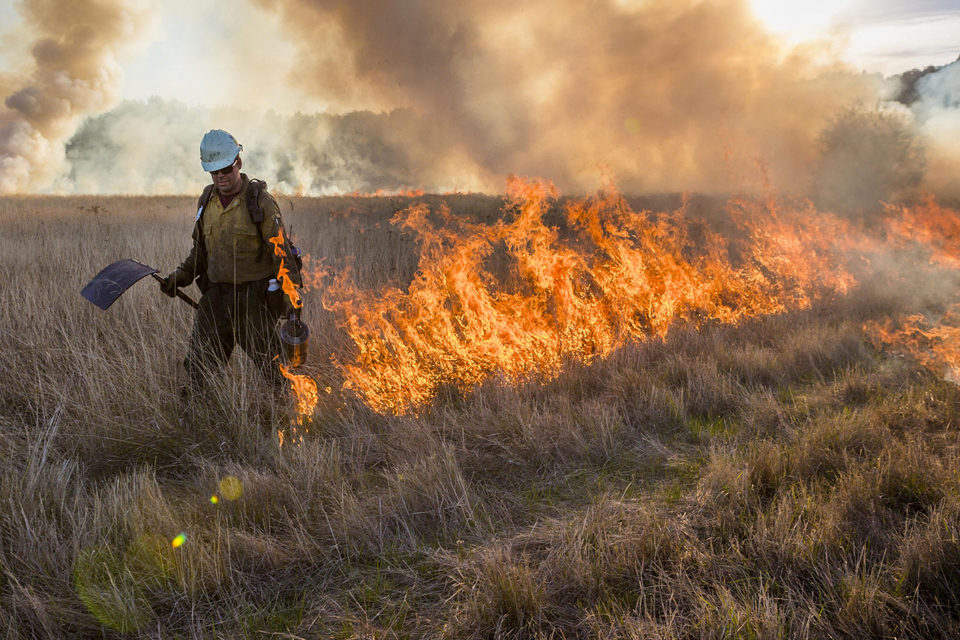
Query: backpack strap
pixel 256 212
pixel 203 200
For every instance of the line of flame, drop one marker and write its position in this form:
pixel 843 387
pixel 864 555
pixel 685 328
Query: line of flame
pixel 304 387
pixel 621 275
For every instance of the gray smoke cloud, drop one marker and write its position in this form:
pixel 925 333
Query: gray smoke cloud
pixel 75 73
pixel 666 95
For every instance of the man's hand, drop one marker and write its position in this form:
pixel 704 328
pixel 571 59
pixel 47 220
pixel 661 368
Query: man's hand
pixel 176 279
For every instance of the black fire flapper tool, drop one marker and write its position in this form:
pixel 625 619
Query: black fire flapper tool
pixel 113 281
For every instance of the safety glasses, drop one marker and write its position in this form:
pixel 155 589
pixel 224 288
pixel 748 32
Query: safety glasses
pixel 225 170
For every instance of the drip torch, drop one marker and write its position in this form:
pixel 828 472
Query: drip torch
pixel 294 333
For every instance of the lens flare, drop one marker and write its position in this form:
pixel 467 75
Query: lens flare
pixel 231 488
pixel 179 540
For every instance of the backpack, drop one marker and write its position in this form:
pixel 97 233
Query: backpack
pixel 256 216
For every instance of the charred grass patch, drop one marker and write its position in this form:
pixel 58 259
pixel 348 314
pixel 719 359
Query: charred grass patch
pixel 780 478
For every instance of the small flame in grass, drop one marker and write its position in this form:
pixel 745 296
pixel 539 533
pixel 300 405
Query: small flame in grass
pixel 933 342
pixel 305 391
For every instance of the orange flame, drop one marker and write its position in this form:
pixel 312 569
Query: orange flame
pixel 614 275
pixel 935 228
pixel 283 274
pixel 305 390
pixel 933 342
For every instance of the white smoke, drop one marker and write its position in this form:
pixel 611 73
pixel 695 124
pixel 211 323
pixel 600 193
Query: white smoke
pixel 317 154
pixel 938 115
pixel 75 73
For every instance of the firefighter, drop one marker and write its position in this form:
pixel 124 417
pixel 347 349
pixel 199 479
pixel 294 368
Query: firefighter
pixel 235 267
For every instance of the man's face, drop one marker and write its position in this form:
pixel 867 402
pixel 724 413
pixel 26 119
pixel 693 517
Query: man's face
pixel 230 182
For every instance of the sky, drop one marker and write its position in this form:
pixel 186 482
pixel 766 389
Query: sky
pixel 183 62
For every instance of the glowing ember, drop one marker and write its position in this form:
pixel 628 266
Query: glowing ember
pixel 615 275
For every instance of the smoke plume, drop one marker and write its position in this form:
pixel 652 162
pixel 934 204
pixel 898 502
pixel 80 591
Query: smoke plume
pixel 75 73
pixel 317 154
pixel 668 94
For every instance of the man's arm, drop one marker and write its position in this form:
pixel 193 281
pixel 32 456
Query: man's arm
pixel 188 271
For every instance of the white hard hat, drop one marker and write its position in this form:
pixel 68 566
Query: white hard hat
pixel 218 149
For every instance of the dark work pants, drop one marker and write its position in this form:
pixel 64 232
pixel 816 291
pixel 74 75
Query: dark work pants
pixel 231 315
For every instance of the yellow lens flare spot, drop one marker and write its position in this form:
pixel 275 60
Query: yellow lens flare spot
pixel 214 500
pixel 179 540
pixel 231 488
pixel 632 125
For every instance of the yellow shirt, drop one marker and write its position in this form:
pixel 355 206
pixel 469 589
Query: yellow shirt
pixel 231 243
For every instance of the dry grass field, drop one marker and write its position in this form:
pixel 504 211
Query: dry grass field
pixel 774 477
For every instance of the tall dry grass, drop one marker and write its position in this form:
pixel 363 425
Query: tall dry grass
pixel 779 479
